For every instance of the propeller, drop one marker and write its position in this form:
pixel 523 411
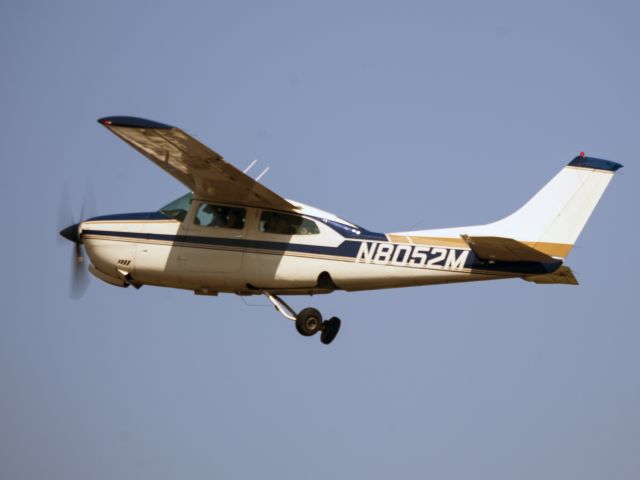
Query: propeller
pixel 79 274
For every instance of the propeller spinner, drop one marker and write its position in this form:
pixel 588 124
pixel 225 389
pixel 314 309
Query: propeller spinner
pixel 79 274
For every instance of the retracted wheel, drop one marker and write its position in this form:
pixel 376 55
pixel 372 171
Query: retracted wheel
pixel 308 322
pixel 330 329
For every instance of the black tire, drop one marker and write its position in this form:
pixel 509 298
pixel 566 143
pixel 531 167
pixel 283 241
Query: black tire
pixel 309 322
pixel 330 329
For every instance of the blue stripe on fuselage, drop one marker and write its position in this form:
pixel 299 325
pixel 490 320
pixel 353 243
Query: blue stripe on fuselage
pixel 345 249
pixel 351 232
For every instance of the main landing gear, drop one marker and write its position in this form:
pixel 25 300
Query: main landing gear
pixel 308 321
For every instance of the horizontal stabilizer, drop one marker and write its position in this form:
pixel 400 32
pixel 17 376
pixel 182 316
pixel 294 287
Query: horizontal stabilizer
pixel 563 275
pixel 505 250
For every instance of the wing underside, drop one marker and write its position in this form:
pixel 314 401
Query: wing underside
pixel 198 167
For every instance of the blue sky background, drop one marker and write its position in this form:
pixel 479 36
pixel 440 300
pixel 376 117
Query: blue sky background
pixel 390 114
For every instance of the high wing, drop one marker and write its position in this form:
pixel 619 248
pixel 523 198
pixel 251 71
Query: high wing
pixel 198 167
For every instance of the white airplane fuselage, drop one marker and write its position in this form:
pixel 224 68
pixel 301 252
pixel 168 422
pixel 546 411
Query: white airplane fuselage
pixel 167 252
pixel 210 247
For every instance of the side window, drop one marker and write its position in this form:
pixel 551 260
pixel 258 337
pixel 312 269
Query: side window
pixel 285 224
pixel 219 216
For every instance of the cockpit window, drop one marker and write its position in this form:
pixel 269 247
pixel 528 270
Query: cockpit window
pixel 285 224
pixel 178 208
pixel 220 216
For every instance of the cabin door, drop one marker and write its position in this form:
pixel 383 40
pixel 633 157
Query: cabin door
pixel 212 240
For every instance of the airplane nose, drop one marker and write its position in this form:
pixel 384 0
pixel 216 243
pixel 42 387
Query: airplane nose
pixel 71 233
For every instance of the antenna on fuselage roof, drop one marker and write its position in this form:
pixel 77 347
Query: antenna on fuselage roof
pixel 251 165
pixel 262 174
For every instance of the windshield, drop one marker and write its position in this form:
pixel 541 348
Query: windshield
pixel 178 208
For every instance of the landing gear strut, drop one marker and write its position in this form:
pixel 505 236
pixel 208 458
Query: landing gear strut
pixel 308 321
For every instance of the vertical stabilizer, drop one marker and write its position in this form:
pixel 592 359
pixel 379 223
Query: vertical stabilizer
pixel 553 218
pixel 559 211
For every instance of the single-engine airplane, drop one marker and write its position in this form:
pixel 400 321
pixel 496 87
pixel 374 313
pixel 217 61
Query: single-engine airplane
pixel 232 234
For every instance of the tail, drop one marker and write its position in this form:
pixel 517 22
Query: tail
pixel 556 215
pixel 552 220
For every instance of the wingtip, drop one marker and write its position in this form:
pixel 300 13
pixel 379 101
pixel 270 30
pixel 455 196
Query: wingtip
pixel 132 122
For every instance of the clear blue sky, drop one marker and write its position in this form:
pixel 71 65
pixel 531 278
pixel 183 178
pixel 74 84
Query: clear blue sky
pixel 393 115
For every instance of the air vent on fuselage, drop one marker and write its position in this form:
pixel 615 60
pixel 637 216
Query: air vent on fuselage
pixel 124 263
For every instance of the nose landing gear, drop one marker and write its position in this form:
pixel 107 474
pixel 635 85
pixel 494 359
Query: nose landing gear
pixel 309 321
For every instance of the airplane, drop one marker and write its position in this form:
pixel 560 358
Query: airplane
pixel 231 234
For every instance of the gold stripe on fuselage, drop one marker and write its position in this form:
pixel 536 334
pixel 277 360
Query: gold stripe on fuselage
pixel 553 249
